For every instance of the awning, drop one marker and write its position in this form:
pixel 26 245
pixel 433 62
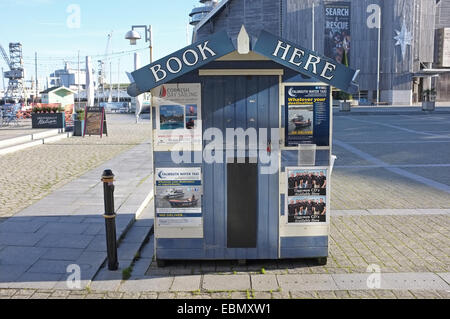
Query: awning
pixel 281 51
pixel 430 72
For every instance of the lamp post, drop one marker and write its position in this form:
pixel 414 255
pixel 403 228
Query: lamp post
pixel 379 57
pixel 133 36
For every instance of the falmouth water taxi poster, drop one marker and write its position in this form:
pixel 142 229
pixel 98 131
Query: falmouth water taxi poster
pixel 178 111
pixel 178 197
pixel 307 115
pixel 307 195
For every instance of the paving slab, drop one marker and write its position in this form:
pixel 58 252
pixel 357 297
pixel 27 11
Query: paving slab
pixel 18 239
pixel 106 280
pixel 413 281
pixel 264 282
pixel 36 281
pixel 63 228
pixel 445 276
pixel 65 241
pixel 226 282
pixel 186 283
pixel 11 226
pixel 141 266
pixel 306 282
pixel 64 254
pixel 22 256
pixel 399 281
pixel 9 273
pixel 147 284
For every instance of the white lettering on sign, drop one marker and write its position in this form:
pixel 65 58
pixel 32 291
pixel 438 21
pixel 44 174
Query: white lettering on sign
pixel 185 58
pixel 157 69
pixel 297 54
pixel 313 63
pixel 297 57
pixel 175 65
pixel 328 67
pixel 205 48
pixel 284 48
pixel 47 122
pixel 178 62
pixel 337 12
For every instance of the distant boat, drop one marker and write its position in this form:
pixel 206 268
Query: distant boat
pixel 174 193
pixel 300 122
pixel 183 203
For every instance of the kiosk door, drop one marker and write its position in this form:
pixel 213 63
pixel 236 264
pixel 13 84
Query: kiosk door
pixel 242 203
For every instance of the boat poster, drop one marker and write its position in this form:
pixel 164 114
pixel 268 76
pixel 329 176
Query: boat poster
pixel 307 117
pixel 307 195
pixel 178 197
pixel 178 111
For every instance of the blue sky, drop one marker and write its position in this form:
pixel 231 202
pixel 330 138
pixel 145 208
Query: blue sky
pixel 49 28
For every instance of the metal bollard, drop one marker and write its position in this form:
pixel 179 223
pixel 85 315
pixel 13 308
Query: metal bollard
pixel 110 219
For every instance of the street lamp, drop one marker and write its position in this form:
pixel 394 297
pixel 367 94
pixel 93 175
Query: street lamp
pixel 133 36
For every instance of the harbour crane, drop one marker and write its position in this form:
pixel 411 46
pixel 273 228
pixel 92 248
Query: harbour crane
pixel 102 66
pixel 16 73
pixel 5 56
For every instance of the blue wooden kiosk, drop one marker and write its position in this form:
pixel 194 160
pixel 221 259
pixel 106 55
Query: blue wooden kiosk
pixel 216 202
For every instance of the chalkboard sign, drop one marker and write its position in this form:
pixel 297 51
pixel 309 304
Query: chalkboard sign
pixel 48 121
pixel 95 121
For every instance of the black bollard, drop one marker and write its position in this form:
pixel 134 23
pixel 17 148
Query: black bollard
pixel 110 219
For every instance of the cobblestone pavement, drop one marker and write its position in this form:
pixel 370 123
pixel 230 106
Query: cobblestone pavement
pixel 412 253
pixel 21 129
pixel 29 175
pixel 248 294
pixel 391 162
pixel 391 191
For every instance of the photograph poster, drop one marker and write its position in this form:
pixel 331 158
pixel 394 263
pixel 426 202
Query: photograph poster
pixel 179 197
pixel 179 115
pixel 337 31
pixel 307 195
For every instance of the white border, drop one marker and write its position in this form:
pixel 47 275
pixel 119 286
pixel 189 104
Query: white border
pixel 177 232
pixel 282 103
pixel 286 189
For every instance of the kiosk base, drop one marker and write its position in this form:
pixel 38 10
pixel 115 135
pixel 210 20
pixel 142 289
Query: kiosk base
pixel 243 262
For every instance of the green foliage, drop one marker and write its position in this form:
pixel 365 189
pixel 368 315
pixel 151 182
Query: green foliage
pixel 342 95
pixel 126 273
pixel 80 114
pixel 429 95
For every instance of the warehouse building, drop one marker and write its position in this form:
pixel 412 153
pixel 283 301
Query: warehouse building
pixel 413 42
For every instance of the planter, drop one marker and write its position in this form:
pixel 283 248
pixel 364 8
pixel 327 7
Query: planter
pixel 48 121
pixel 428 106
pixel 78 128
pixel 345 107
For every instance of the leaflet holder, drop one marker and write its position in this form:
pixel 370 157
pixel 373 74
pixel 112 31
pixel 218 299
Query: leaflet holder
pixel 307 154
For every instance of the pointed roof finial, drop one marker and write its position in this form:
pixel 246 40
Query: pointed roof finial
pixel 243 41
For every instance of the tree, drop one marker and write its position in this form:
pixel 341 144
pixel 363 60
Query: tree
pixel 345 96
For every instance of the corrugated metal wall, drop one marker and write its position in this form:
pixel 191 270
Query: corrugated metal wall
pixel 443 14
pixel 443 21
pixel 295 24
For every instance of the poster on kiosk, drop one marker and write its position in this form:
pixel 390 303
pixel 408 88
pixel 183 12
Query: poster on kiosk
pixel 307 196
pixel 307 116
